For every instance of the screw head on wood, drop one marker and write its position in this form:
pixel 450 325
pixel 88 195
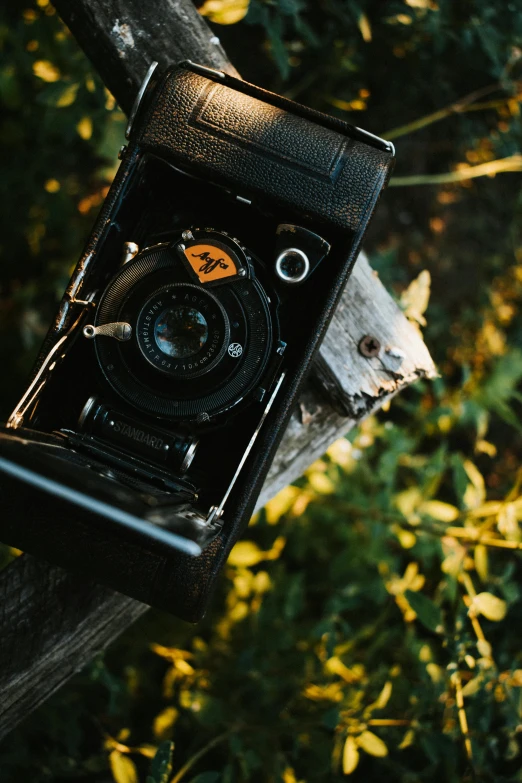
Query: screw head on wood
pixel 369 346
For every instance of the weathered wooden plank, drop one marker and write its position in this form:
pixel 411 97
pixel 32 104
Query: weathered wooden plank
pixel 53 622
pixel 354 383
pixel 123 37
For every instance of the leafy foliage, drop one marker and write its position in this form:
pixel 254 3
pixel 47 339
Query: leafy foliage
pixel 368 627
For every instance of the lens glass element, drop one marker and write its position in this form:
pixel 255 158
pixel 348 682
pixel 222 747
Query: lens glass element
pixel 181 332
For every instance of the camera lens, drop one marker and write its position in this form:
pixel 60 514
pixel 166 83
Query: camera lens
pixel 181 331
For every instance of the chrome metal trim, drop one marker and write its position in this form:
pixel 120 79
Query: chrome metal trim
pixel 189 456
pixel 130 249
pixel 139 96
pixel 99 507
pixel 17 416
pixel 216 512
pixel 86 410
pixel 387 145
pixel 205 70
pixel 84 302
pixel 120 330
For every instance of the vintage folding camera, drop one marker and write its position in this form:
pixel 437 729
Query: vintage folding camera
pixel 164 386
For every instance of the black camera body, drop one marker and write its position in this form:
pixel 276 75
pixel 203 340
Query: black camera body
pixel 164 386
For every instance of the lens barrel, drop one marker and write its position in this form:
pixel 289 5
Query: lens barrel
pixel 183 330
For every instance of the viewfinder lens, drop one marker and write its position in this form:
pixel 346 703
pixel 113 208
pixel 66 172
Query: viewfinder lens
pixel 292 266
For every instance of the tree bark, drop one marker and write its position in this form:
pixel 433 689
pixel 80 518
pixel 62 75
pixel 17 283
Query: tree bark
pixel 52 622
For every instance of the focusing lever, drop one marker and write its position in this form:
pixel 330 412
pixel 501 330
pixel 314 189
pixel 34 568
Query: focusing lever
pixel 119 330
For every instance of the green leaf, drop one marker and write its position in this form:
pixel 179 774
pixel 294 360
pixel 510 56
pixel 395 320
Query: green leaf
pixel 224 11
pixel 438 509
pixel 258 13
pixel 350 755
pixel 246 554
pixel 490 606
pixel 500 387
pixel 460 477
pixel 428 613
pixel 372 744
pixel 330 719
pixel 306 32
pixel 59 95
pixel 279 51
pixel 207 777
pixel 161 766
pixel 294 597
pixel 289 7
pixel 123 768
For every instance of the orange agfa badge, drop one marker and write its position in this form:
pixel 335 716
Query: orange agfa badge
pixel 210 262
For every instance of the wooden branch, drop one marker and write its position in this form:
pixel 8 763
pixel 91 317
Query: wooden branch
pixel 53 622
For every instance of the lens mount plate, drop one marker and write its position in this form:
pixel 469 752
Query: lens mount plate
pixel 245 327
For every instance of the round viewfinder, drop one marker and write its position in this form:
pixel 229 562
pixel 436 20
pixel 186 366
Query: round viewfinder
pixel 292 266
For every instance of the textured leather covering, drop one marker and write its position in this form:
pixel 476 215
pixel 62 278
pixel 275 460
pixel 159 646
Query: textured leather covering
pixel 264 151
pixel 274 152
